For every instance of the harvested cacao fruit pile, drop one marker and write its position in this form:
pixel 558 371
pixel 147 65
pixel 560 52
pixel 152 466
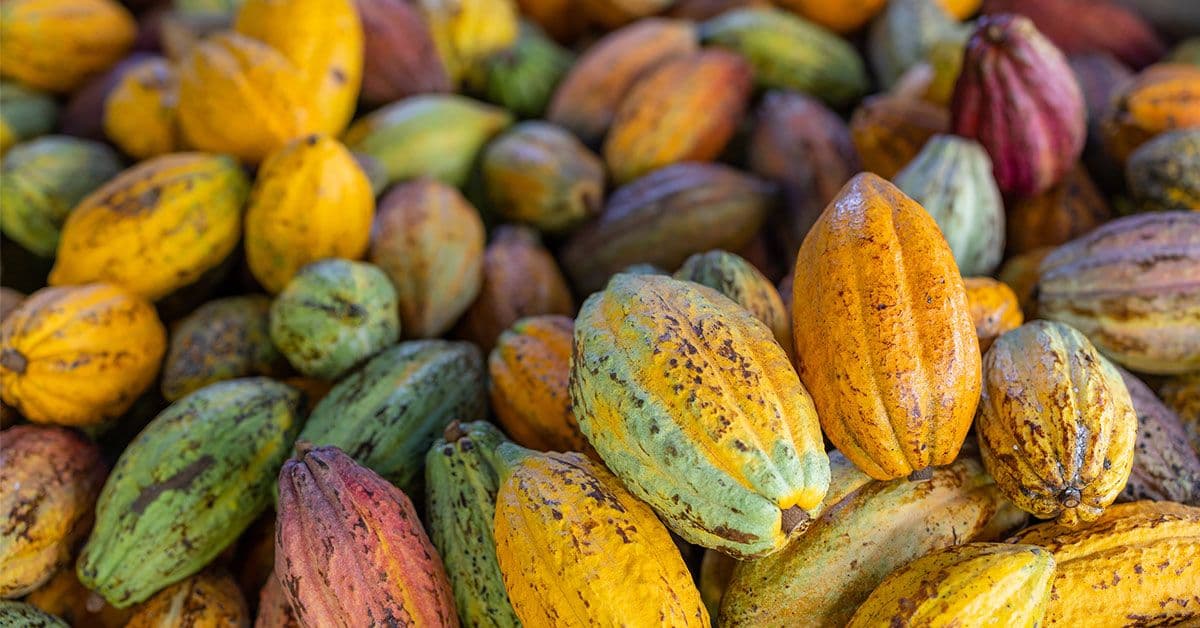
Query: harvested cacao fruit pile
pixel 599 313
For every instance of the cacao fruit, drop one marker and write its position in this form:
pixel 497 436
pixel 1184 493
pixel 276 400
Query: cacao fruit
pixel 561 19
pixel 64 597
pixel 884 337
pixel 1021 274
pixel 56 45
pixel 1076 26
pixel 51 477
pixel 22 615
pixel 187 486
pixel 1163 97
pixel 1164 173
pixel 467 31
pixel 79 355
pixel 24 114
pixel 429 240
pixel 1165 467
pixel 522 79
pixel 1186 51
pixel 1064 212
pixel 41 181
pixel 1100 77
pixel 889 131
pixel 141 111
pixel 205 599
pixel 613 13
pixel 399 56
pixel 387 414
pixel 994 309
pixel 83 114
pixel 1122 285
pixel 904 34
pixel 1182 395
pixel 839 17
pixel 737 279
pixel 10 300
pixel 274 608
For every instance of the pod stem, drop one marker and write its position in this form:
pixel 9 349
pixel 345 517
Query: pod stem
pixel 793 518
pixel 921 475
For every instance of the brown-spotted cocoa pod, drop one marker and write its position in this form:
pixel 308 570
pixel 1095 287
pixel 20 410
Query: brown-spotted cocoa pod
pixel 209 598
pixel 1064 212
pixel 734 277
pixel 1017 96
pixel 1165 467
pixel 686 109
pixel 1078 26
pixel 994 309
pixel 1164 173
pixel 399 56
pixel 890 130
pixel 140 111
pixel 1163 97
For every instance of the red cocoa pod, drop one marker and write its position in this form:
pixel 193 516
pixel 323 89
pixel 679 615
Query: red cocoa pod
pixel 1017 96
pixel 1089 26
pixel 350 550
pixel 399 56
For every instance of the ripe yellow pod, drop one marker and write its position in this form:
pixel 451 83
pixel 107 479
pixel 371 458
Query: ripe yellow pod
pixel 575 546
pixel 311 201
pixel 994 309
pixel 884 338
pixel 140 113
pixel 56 45
pixel 467 31
pixel 208 599
pixel 79 355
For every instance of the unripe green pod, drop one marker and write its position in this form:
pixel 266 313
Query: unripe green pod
pixel 523 77
pixel 24 113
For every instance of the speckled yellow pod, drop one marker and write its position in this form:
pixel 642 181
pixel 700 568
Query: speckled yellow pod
pixel 691 402
pixel 157 227
pixel 739 280
pixel 209 599
pixel 79 355
pixel 1056 425
pixel 1135 565
pixel 141 112
pixel 994 309
pixel 56 45
pixel 311 201
pixel 575 547
pixel 884 338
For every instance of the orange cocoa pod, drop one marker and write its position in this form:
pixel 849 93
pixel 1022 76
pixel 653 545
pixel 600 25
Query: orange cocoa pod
pixel 994 309
pixel 1020 273
pixel 1163 97
pixel 844 16
pixel 64 596
pixel 889 130
pixel 209 598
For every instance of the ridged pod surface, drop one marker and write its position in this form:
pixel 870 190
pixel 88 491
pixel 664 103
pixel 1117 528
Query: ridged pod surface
pixel 310 201
pixel 994 309
pixel 56 45
pixel 430 241
pixel 187 486
pixel 691 402
pixel 890 130
pixel 51 477
pixel 22 615
pixel 222 339
pixel 873 529
pixel 467 31
pixel 1163 97
pixel 274 607
pixel 739 280
pixel 461 483
pixel 42 180
pixel 789 52
pixel 685 109
pixel 1165 466
pixel 155 228
pixel 387 414
pixel 1135 565
pixel 522 79
pixel 1056 425
pixel 1164 173
pixel 952 179
pixel 350 550
pixel 209 599
pixel 1077 26
pixel 1064 212
pixel 903 35
pixel 79 355
pixel 399 56
pixel 141 111
pixel 968 585
pixel 1017 96
pixel 529 371
pixel 885 343
pixel 26 113
pixel 1132 287
pixel 587 99
pixel 665 217
pixel 575 546
pixel 64 597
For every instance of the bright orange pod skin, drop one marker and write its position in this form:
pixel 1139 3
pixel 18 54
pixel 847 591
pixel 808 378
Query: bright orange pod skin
pixel 885 343
pixel 1163 97
pixel 209 599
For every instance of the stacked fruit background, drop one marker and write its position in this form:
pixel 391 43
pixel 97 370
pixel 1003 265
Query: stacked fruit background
pixel 599 313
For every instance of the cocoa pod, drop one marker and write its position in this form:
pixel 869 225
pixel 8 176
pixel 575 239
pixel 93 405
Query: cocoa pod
pixel 994 309
pixel 209 598
pixel 904 34
pixel 57 46
pixel 22 615
pixel 1078 26
pixel 274 608
pixel 888 131
pixel 1058 215
pixel 64 596
pixel 27 113
pixel 522 78
pixel 1163 97
pixel 737 279
pixel 399 56
pixel 140 112
pixel 613 13
pixel 1164 173
pixel 1165 467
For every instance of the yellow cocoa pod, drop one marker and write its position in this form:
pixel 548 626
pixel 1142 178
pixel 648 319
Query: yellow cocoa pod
pixel 141 112
pixel 468 31
pixel 56 45
pixel 994 309
pixel 66 597
pixel 311 201
pixel 206 600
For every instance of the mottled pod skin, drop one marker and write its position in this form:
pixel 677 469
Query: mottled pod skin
pixel 350 550
pixel 187 486
pixel 968 585
pixel 686 109
pixel 79 355
pixel 952 179
pixel 208 599
pixel 42 180
pixel 1056 426
pixel 884 337
pixel 1131 286
pixel 539 174
pixel 575 546
pixel 1164 173
pixel 387 414
pixel 866 531
pixel 1135 565
pixel 64 597
pixel 399 56
pixel 889 130
pixel 529 385
pixel 1163 97
pixel 461 483
pixel 739 280
pixel 1165 466
pixel 665 217
pixel 156 227
pixel 587 99
pixel 56 45
pixel 994 309
pixel 333 315
pixel 310 201
pixel 22 615
pixel 51 477
pixel 222 339
pixel 429 240
pixel 1017 97
pixel 691 402
pixel 141 112
pixel 274 607
pixel 1064 212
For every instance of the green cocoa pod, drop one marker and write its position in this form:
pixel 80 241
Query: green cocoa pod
pixel 905 33
pixel 187 486
pixel 24 114
pixel 739 280
pixel 223 339
pixel 789 52
pixel 387 414
pixel 538 173
pixel 523 77
pixel 1164 173
pixel 952 179
pixel 334 314
pixel 42 180
pixel 436 135
pixel 15 614
pixel 461 484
